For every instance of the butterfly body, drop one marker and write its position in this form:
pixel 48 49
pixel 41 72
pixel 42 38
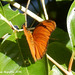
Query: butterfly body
pixel 38 40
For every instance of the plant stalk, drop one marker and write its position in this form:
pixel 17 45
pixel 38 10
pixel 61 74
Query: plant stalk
pixel 71 62
pixel 58 65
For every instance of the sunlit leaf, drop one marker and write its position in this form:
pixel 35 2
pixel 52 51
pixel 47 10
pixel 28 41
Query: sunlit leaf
pixel 71 25
pixel 15 51
pixel 55 71
pixel 15 17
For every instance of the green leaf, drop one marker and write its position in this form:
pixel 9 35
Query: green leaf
pixel 59 36
pixel 60 54
pixel 4 28
pixel 69 46
pixel 73 73
pixel 15 51
pixel 71 25
pixel 15 17
pixel 55 71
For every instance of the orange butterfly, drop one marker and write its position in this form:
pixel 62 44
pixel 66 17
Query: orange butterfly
pixel 39 38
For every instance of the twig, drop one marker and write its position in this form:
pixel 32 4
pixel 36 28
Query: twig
pixel 27 29
pixel 31 28
pixel 27 6
pixel 71 62
pixel 15 4
pixel 4 36
pixel 58 65
pixel 9 23
pixel 26 12
pixel 44 8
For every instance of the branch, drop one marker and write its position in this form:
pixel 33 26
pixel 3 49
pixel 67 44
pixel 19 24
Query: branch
pixel 59 66
pixel 44 8
pixel 9 23
pixel 71 62
pixel 26 12
pixel 15 4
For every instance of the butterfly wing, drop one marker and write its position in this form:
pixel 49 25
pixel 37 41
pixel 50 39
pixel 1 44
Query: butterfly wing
pixel 39 39
pixel 41 36
pixel 30 41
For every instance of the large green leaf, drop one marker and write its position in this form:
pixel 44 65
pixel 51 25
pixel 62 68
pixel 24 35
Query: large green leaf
pixel 15 57
pixel 71 24
pixel 59 36
pixel 62 37
pixel 14 16
pixel 59 53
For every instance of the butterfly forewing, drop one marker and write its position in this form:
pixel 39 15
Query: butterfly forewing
pixel 41 36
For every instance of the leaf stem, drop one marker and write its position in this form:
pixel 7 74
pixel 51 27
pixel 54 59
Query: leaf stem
pixel 71 62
